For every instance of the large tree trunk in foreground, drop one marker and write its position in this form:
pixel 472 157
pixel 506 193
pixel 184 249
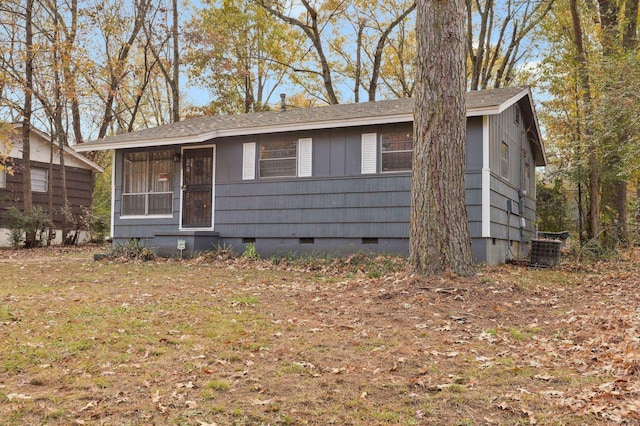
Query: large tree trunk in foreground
pixel 439 240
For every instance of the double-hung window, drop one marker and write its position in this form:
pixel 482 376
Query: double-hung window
pixel 396 150
pixel 388 152
pixel 39 180
pixel 148 184
pixel 278 159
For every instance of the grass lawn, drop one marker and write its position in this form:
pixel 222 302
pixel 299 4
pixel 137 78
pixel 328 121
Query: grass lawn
pixel 346 341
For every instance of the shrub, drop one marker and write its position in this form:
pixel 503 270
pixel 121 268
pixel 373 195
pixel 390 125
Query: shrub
pixel 250 252
pixel 133 250
pixel 15 223
pixel 27 228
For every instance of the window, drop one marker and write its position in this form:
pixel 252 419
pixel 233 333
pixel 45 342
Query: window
pixel 278 159
pixel 527 177
pixel 147 183
pixel 516 114
pixel 39 180
pixel 396 150
pixel 504 160
pixel 3 178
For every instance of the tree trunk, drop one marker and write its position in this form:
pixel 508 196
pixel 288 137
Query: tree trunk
pixel 117 70
pixel 585 86
pixel 312 31
pixel 619 36
pixel 26 113
pixel 175 81
pixel 59 131
pixel 377 58
pixel 439 238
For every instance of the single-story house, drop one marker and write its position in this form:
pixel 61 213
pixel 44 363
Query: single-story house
pixel 332 179
pixel 79 173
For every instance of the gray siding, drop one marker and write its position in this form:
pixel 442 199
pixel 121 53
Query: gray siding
pixel 338 209
pixel 474 144
pixel 355 207
pixel 142 228
pixel 508 238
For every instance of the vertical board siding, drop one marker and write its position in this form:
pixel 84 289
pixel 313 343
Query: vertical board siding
pixel 504 226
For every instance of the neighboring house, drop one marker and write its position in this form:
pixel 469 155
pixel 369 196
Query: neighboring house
pixel 332 179
pixel 79 174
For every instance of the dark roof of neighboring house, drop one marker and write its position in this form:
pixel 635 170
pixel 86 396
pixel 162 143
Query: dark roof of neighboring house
pixel 200 129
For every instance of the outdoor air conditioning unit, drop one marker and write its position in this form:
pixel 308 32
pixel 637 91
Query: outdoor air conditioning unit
pixel 545 252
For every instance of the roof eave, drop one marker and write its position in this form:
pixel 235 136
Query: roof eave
pixel 317 125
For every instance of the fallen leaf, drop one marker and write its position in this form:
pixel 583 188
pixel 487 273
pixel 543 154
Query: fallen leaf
pixel 545 377
pixel 13 396
pixel 89 405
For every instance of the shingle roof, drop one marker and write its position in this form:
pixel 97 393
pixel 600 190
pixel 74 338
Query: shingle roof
pixel 205 128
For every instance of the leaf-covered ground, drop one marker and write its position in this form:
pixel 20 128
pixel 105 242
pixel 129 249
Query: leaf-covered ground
pixel 350 341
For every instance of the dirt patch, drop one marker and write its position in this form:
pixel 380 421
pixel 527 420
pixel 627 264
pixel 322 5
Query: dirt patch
pixel 349 341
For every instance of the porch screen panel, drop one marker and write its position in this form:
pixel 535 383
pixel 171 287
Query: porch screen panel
pixel 147 183
pixel 135 184
pixel 160 182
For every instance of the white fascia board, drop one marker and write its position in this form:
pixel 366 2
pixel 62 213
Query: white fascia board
pixel 141 143
pixel 497 109
pixel 84 159
pixel 482 111
pixel 513 100
pixel 537 126
pixel 47 139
